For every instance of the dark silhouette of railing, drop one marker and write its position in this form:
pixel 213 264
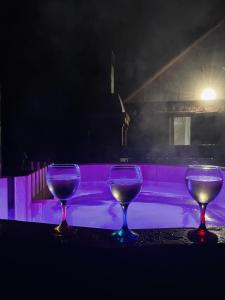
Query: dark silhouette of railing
pixel 39 189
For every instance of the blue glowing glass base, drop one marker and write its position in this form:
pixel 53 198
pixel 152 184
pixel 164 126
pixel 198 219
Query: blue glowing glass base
pixel 125 235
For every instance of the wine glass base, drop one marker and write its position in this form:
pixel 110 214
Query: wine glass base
pixel 62 230
pixel 200 236
pixel 125 235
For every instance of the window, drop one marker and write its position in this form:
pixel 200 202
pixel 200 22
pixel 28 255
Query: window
pixel 181 130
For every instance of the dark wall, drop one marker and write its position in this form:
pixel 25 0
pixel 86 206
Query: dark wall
pixel 208 129
pixel 148 138
pixel 148 129
pixel 55 76
pixel 54 131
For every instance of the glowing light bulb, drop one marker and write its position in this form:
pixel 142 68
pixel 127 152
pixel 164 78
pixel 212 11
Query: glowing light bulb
pixel 208 94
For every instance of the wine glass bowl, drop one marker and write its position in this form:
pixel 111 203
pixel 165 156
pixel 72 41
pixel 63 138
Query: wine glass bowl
pixel 125 183
pixel 63 181
pixel 204 183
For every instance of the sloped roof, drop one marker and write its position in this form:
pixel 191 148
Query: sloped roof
pixel 199 57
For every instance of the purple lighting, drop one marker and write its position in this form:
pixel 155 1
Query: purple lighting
pixel 3 198
pixel 163 201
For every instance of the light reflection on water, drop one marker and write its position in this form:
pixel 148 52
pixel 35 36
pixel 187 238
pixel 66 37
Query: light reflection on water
pixel 147 211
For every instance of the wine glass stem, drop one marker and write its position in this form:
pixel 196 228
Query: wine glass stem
pixel 63 205
pixel 202 212
pixel 124 208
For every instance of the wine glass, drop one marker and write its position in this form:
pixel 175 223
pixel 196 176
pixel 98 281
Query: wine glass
pixel 204 183
pixel 125 183
pixel 63 181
